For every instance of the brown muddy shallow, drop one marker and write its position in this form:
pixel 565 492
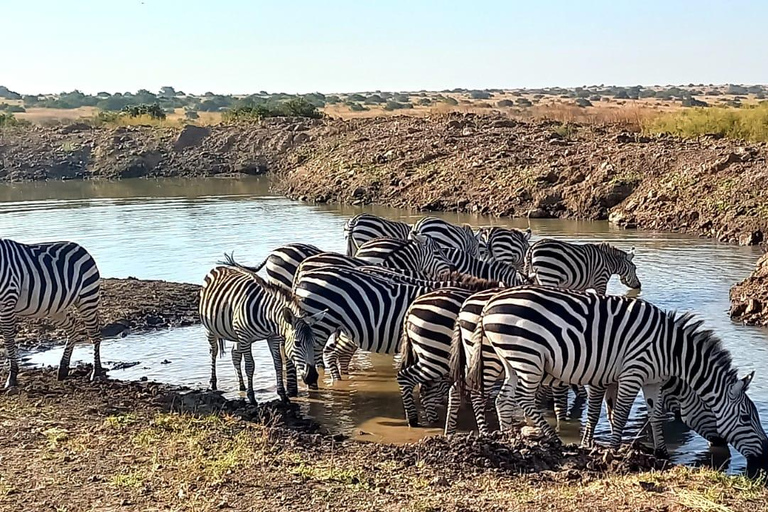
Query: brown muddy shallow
pixel 127 306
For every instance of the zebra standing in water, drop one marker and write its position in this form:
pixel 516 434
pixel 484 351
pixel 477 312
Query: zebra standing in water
pixel 449 236
pixel 281 264
pixel 506 245
pixel 594 340
pixel 49 280
pixel 364 227
pixel 237 305
pixel 579 266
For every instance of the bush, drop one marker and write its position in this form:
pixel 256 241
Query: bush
pixel 154 111
pixel 191 115
pixel 746 123
pixel 505 103
pixel 8 120
pixel 450 101
pixel 355 97
pixel 356 107
pixel 524 102
pixel 402 98
pixel 583 102
pixel 374 99
pixel 9 94
pixel 693 102
pixel 394 105
pixel 480 95
pixel 736 89
pixel 424 102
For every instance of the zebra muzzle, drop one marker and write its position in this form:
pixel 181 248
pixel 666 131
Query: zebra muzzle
pixel 310 377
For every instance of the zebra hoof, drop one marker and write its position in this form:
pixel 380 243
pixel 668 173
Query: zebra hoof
pixel 413 422
pixel 63 372
pixel 661 453
pixel 252 398
pixel 293 392
pixel 242 387
pixel 100 375
pixel 284 399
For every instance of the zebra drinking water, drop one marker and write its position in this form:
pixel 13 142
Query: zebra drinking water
pixel 49 280
pixel 449 236
pixel 506 245
pixel 595 340
pixel 237 305
pixel 579 266
pixel 365 226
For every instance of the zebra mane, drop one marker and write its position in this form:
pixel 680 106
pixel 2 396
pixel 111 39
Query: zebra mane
pixel 705 340
pixel 612 250
pixel 470 282
pixel 229 261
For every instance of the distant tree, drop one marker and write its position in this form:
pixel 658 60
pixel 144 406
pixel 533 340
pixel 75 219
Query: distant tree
pixel 355 97
pixel 167 91
pixel 155 111
pixel 9 94
pixel 402 98
pixel 30 100
pixel 191 115
pixel 374 99
pixel 736 89
pixel 480 95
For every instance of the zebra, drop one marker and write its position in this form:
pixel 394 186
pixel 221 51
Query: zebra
pixel 425 345
pixel 447 235
pixel 483 269
pixel 579 266
pixel 281 264
pixel 238 305
pixel 506 245
pixel 596 340
pixel 679 398
pixel 50 280
pixel 365 226
pixel 420 253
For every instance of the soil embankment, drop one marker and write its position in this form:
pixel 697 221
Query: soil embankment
pixel 708 186
pixel 127 306
pixel 84 445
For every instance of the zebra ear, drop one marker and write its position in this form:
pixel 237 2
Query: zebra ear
pixel 316 317
pixel 631 254
pixel 288 315
pixel 418 237
pixel 747 379
pixel 527 233
pixel 741 386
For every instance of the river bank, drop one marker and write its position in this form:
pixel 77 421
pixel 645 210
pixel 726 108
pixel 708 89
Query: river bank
pixel 134 445
pixel 488 164
pixel 127 306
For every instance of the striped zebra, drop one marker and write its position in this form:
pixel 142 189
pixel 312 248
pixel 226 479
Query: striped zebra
pixel 281 264
pixel 237 305
pixel 506 245
pixel 449 236
pixel 595 340
pixel 51 280
pixel 579 266
pixel 484 269
pixel 420 254
pixel 365 226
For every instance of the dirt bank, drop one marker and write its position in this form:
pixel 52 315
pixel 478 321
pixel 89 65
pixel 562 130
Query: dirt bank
pixel 127 306
pixel 106 445
pixel 749 298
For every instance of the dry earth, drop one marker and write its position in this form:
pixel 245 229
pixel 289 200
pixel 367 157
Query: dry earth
pixel 80 445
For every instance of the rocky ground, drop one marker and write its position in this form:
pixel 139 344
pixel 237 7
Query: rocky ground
pixel 81 445
pixel 490 164
pixel 127 306
pixel 749 298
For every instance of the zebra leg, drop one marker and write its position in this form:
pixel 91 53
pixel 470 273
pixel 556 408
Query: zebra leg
pixel 560 396
pixel 89 312
pixel 8 326
pixel 652 395
pixel 594 406
pixel 526 398
pixel 505 401
pixel 452 415
pixel 610 402
pixel 407 380
pixel 213 343
pixel 292 382
pixel 249 368
pixel 479 401
pixel 237 358
pixel 74 334
pixel 627 392
pixel 330 358
pixel 277 359
pixel 344 358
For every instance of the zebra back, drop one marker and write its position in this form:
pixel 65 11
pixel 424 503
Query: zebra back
pixel 449 236
pixel 283 262
pixel 325 259
pixel 484 269
pixel 420 255
pixel 365 226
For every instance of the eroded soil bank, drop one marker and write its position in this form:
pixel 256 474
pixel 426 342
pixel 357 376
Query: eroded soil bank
pixel 709 186
pixel 127 306
pixel 140 445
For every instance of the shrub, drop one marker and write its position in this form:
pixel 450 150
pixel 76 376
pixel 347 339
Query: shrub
pixel 480 95
pixel 746 123
pixel 394 105
pixel 483 104
pixel 524 102
pixel 154 111
pixel 505 103
pixel 595 97
pixel 583 102
pixel 332 100
pixel 356 107
pixel 736 89
pixel 355 97
pixel 693 102
pixel 450 101
pixel 424 102
pixel 374 99
pixel 402 98
pixel 9 94
pixel 191 115
pixel 8 120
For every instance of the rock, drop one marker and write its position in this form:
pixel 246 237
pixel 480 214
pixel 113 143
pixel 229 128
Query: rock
pixel 753 307
pixel 191 135
pixel 358 193
pixel 538 213
pixel 753 238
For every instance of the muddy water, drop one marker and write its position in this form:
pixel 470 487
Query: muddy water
pixel 178 229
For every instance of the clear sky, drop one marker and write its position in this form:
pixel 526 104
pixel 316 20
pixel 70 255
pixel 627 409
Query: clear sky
pixel 240 46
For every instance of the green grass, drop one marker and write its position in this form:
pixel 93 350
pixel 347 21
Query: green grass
pixel 749 123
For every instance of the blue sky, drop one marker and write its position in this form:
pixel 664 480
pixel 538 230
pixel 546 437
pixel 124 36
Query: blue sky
pixel 239 46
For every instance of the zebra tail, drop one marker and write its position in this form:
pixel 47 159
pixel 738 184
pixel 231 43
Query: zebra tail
pixel 229 261
pixel 222 347
pixel 458 359
pixel 407 357
pixel 475 366
pixel 528 272
pixel 349 226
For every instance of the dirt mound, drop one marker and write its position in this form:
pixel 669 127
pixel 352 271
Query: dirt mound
pixel 514 454
pixel 127 305
pixel 749 298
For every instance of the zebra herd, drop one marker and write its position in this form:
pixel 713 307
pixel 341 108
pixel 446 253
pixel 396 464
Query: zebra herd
pixel 470 313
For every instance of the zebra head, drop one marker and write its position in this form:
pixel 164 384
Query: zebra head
pixel 471 240
pixel 739 424
pixel 482 244
pixel 434 261
pixel 627 270
pixel 300 343
pixel 433 395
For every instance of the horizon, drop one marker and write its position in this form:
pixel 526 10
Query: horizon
pixel 235 46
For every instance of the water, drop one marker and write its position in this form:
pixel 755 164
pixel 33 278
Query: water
pixel 178 229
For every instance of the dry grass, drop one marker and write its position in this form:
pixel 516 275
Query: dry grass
pixel 749 123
